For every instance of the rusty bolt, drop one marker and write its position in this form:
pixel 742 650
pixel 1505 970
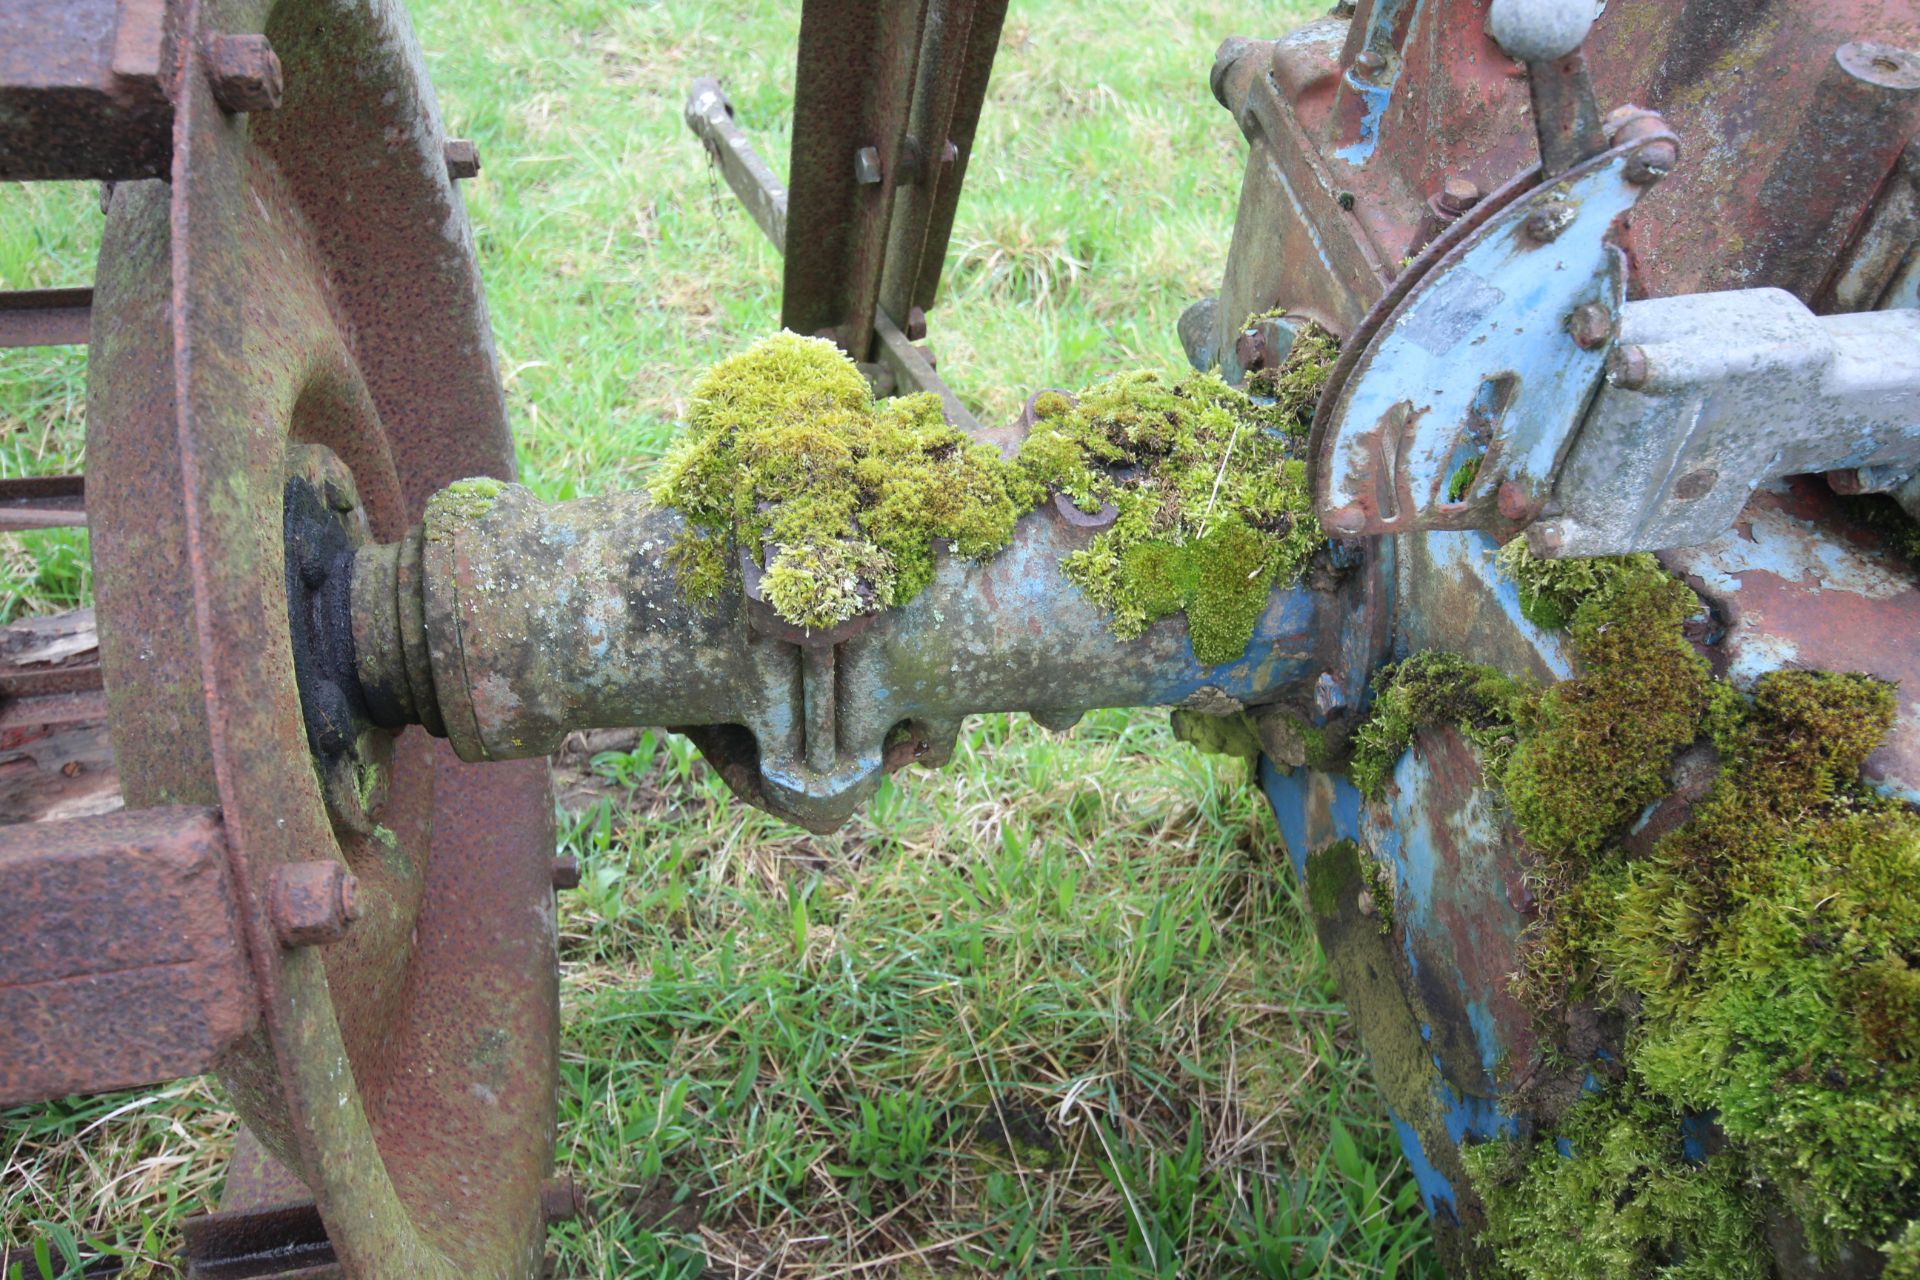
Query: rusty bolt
pixel 1545 224
pixel 245 73
pixel 1591 325
pixel 312 903
pixel 566 873
pixel 1652 162
pixel 916 324
pixel 950 154
pixel 1370 62
pixel 560 1199
pixel 866 166
pixel 463 158
pixel 1456 195
pixel 1347 519
pixel 1627 368
pixel 1515 502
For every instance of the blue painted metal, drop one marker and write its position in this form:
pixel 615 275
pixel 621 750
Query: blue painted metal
pixel 1478 362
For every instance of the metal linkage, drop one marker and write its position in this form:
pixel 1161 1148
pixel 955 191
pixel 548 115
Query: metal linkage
pixel 516 624
pixel 1711 395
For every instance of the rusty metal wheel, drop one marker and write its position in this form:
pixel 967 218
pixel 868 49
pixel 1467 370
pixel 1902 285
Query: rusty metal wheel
pixel 290 344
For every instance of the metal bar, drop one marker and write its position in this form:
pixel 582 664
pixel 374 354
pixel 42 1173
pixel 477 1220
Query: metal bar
pixel 286 1242
pixel 852 95
pixel 710 116
pixel 45 317
pixel 82 90
pixel 983 41
pixel 942 63
pixel 41 502
pixel 911 368
pixel 121 962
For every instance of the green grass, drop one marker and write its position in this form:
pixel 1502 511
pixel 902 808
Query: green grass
pixel 1053 1010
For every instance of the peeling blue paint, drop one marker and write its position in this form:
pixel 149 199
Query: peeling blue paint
pixel 1375 99
pixel 1436 1192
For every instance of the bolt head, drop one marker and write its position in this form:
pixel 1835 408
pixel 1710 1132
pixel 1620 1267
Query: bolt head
pixel 463 158
pixel 1591 326
pixel 1628 367
pixel 866 166
pixel 1545 224
pixel 1370 62
pixel 950 154
pixel 1347 519
pixel 313 903
pixel 1457 195
pixel 1516 502
pixel 244 72
pixel 566 873
pixel 916 325
pixel 1696 484
pixel 1652 162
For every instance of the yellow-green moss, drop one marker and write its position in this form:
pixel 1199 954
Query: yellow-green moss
pixel 1429 690
pixel 461 502
pixel 842 499
pixel 1211 504
pixel 1603 742
pixel 1765 955
pixel 1617 1200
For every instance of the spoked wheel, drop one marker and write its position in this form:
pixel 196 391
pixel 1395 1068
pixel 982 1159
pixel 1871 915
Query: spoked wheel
pixel 290 350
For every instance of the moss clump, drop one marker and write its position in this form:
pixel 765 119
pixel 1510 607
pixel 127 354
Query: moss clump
pixel 1764 955
pixel 1617 1199
pixel 1429 690
pixel 1604 742
pixel 1294 384
pixel 1211 504
pixel 839 499
pixel 1768 945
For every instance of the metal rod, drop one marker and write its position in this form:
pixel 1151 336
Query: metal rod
pixel 42 502
pixel 45 317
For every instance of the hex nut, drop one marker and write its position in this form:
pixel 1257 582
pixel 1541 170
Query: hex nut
pixel 566 873
pixel 916 326
pixel 561 1199
pixel 463 158
pixel 313 903
pixel 1456 195
pixel 866 166
pixel 244 72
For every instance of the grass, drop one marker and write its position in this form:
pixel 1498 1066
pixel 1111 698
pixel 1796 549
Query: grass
pixel 1053 1010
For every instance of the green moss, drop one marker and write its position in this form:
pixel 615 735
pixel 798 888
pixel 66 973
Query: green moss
pixel 1551 590
pixel 1903 1254
pixel 1604 741
pixel 1462 478
pixel 1429 690
pixel 838 498
pixel 842 500
pixel 1334 877
pixel 461 502
pixel 1764 955
pixel 1211 505
pixel 1623 1204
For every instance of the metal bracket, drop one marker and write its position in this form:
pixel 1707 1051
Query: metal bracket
pixel 1458 409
